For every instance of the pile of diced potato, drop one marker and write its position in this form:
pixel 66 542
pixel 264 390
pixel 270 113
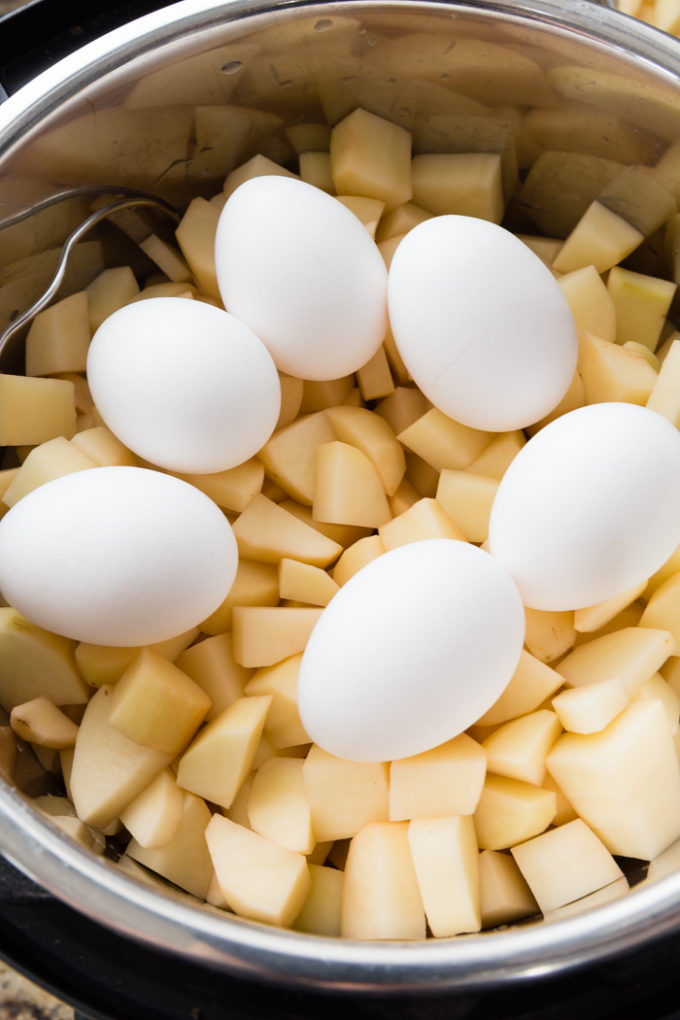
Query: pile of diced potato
pixel 189 756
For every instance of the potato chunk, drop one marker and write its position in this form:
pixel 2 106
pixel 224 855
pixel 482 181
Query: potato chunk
pixel 505 896
pixel 518 748
pixel 36 663
pixel 371 156
pixel 446 861
pixel 185 859
pixel 344 795
pixel 447 780
pixel 278 806
pixel 33 410
pixel 348 488
pixel 510 811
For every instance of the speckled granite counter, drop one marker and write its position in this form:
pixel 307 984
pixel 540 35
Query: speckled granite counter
pixel 22 1000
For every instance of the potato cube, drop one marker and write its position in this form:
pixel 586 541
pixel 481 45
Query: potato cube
pixel 33 410
pixel 58 337
pixel 196 237
pixel 305 583
pixel 289 456
pixel 375 377
pixel 155 704
pixel 40 722
pixel 154 816
pixel 315 169
pixel 108 292
pixel 278 806
pixel 402 408
pixel 504 895
pixel 371 156
pixel 446 780
pixel 467 499
pixel 211 665
pixel 424 519
pixel 49 460
pixel 462 183
pixel 101 446
pixel 371 434
pixel 531 684
pixel 344 795
pixel 342 534
pixel 510 811
pixel 549 634
pixel 662 609
pixel 348 488
pixel 218 760
pixel 624 781
pixel 590 302
pixel 494 461
pixel 319 394
pixel 36 663
pixel 518 748
pixel 292 392
pixel 232 489
pixel 109 769
pixel 381 898
pixel 443 442
pixel 446 862
pixel 612 372
pixel 368 210
pixel 255 584
pixel 400 220
pixel 320 914
pixel 632 654
pixel 264 635
pixel 357 556
pixel 600 238
pixel 259 879
pixel 593 618
pixel 256 166
pixel 656 688
pixel 267 532
pixel 283 725
pixel 565 864
pixel 592 707
pixel 642 303
pixel 185 860
pixel 606 894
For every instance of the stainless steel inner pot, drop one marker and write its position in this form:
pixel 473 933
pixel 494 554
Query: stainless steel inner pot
pixel 121 111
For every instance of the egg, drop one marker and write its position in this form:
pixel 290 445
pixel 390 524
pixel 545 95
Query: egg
pixel 303 272
pixel 116 556
pixel 183 384
pixel 413 649
pixel 590 507
pixel 481 323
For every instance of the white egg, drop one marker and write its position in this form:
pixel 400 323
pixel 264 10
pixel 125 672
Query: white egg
pixel 184 384
pixel 412 650
pixel 303 272
pixel 590 507
pixel 116 556
pixel 481 323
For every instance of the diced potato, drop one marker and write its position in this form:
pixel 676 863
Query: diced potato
pixel 375 378
pixel 446 862
pixel 624 781
pixel 467 499
pixel 305 583
pixel 632 654
pixel 154 816
pixel 211 665
pixel 36 663
pixel 532 683
pixel 102 447
pixel 656 688
pixel 518 748
pixel 315 169
pixel 40 722
pixel 218 760
pixel 601 238
pixel 185 860
pixel 607 894
pixel 196 237
pixel 404 498
pixel 612 372
pixel 381 898
pixel 462 183
pixel 510 811
pixel 549 634
pixel 155 704
pixel 371 156
pixel 255 584
pixel 292 392
pixel 267 532
pixel 49 460
pixel 257 166
pixel 343 534
pixel 33 410
pixel 368 210
pixel 443 442
pixel 289 456
pixel 357 556
pixel 282 724
pixel 348 488
pixel 400 220
pixel 108 292
pixel 565 864
pixel 344 795
pixel 320 914
pixel 446 780
pixel 642 303
pixel 592 707
pixel 264 635
pixel 545 247
pixel 504 895
pixel 662 609
pixel 371 434
pixel 259 879
pixel 167 258
pixel 319 394
pixel 232 489
pixel 665 395
pixel 402 408
pixel 424 519
pixel 590 302
pixel 592 618
pixel 109 769
pixel 58 337
pixel 278 806
pixel 496 458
